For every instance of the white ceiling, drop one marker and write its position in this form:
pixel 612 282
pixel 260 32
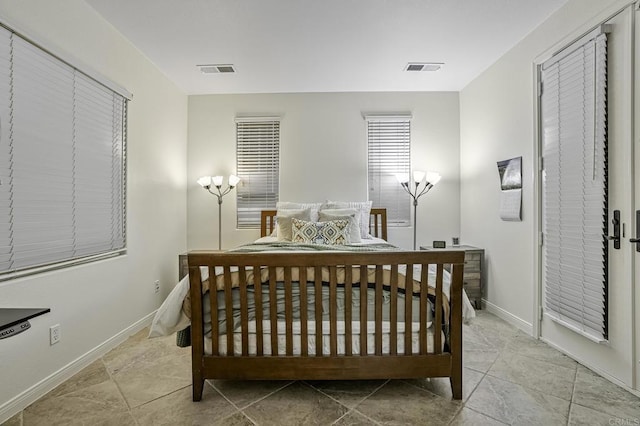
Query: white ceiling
pixel 280 46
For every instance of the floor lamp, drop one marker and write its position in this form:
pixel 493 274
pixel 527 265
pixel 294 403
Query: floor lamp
pixel 430 180
pixel 206 182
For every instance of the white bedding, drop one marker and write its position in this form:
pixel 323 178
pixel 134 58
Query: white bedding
pixel 326 343
pixel 169 318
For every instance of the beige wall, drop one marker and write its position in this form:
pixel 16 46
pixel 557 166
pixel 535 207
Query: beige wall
pixel 497 122
pixel 323 155
pixel 94 303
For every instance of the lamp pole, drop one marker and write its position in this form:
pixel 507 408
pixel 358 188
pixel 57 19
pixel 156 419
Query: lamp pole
pixel 207 182
pixel 220 223
pixel 415 221
pixel 430 179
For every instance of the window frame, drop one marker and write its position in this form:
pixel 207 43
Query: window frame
pixel 248 211
pixel 398 214
pixel 81 80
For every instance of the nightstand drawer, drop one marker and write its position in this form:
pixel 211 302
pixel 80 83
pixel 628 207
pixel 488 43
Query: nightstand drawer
pixel 471 282
pixel 472 275
pixel 183 266
pixel 474 255
pixel 471 265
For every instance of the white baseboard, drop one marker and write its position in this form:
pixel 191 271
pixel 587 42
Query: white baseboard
pixel 508 317
pixel 37 391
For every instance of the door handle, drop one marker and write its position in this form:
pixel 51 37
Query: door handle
pixel 636 240
pixel 616 230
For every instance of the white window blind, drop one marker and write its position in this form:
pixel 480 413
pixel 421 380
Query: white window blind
pixel 62 145
pixel 389 153
pixel 258 167
pixel 574 121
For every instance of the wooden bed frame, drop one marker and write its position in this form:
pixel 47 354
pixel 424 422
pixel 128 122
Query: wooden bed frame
pixel 319 366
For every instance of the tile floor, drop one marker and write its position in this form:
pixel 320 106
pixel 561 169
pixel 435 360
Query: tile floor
pixel 509 378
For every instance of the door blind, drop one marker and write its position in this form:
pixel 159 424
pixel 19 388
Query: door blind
pixel 574 138
pixel 61 161
pixel 389 153
pixel 258 167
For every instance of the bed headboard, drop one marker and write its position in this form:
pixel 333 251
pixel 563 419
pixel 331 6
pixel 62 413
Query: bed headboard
pixel 377 223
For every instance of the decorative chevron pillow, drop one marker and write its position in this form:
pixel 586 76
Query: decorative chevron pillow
pixel 331 233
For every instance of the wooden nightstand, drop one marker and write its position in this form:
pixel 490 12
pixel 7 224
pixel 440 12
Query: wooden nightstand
pixel 183 266
pixel 473 277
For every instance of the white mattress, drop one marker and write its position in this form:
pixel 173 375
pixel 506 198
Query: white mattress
pixel 170 317
pixel 326 348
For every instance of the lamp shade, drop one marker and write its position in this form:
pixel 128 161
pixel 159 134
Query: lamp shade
pixel 418 176
pixel 204 181
pixel 233 180
pixel 402 177
pixel 217 180
pixel 433 177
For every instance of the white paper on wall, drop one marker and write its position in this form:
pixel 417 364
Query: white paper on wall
pixel 511 189
pixel 510 202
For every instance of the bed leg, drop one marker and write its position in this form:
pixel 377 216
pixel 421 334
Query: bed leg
pixel 456 366
pixel 456 370
pixel 456 385
pixel 198 386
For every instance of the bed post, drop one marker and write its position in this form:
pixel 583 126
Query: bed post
pixel 197 330
pixel 456 329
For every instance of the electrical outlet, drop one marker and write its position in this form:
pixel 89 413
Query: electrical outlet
pixel 54 334
pixel 156 286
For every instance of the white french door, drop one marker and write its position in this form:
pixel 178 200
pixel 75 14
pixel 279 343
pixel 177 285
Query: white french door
pixel 602 336
pixel 635 228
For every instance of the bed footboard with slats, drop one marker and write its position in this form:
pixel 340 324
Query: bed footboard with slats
pixel 270 279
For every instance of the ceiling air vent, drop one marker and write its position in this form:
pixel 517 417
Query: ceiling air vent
pixel 216 69
pixel 423 66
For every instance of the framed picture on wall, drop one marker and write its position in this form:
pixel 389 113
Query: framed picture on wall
pixel 510 172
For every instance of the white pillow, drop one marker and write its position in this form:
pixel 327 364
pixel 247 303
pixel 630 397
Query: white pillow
pixel 364 207
pixel 314 207
pixel 352 215
pixel 283 221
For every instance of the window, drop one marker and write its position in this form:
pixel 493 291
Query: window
pixel 574 146
pixel 62 161
pixel 389 153
pixel 258 167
